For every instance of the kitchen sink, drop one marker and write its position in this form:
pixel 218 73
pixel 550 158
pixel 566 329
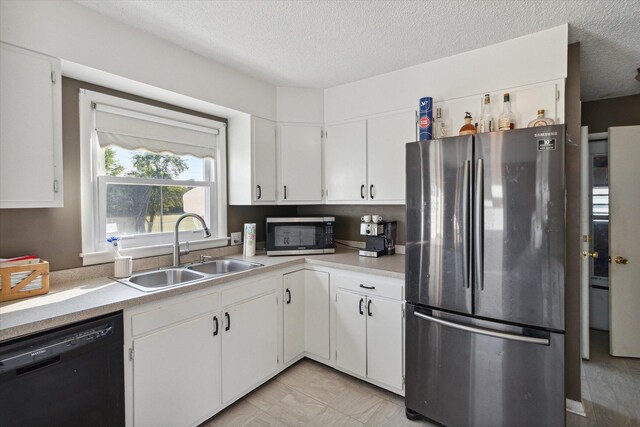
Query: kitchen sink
pixel 155 280
pixel 223 266
pixel 161 279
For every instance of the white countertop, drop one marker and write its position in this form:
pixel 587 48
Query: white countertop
pixel 80 300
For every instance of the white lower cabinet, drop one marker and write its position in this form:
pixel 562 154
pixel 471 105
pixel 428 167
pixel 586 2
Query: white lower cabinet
pixel 306 314
pixel 249 344
pixel 176 379
pixel 369 329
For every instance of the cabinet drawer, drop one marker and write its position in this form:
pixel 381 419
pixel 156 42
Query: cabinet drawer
pixel 250 290
pixel 370 285
pixel 166 314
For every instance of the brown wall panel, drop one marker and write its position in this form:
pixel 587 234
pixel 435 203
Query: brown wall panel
pixel 605 113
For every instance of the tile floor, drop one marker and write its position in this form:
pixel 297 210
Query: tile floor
pixel 610 388
pixel 311 394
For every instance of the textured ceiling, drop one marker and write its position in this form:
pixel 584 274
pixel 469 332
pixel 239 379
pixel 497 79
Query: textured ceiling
pixel 320 44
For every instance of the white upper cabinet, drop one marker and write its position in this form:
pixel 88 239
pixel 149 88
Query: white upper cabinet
pixel 365 159
pixel 300 164
pixel 345 153
pixel 30 129
pixel 386 140
pixel 264 160
pixel 251 161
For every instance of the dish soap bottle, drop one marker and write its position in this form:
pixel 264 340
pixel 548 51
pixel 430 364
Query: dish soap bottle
pixel 541 120
pixel 467 128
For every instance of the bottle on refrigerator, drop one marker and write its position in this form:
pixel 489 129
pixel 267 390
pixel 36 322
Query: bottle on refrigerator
pixel 541 120
pixel 507 119
pixel 485 124
pixel 439 125
pixel 468 128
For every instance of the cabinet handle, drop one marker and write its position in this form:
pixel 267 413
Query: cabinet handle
pixel 288 292
pixel 361 309
pixel 228 317
pixel 215 322
pixel 362 196
pixel 285 192
pixel 369 308
pixel 371 191
pixel 366 287
pixel 259 192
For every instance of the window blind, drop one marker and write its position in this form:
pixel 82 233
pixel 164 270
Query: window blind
pixel 134 130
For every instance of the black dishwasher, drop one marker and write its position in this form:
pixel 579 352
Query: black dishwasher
pixel 72 375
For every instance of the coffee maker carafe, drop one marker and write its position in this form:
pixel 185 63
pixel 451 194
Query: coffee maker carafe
pixel 380 238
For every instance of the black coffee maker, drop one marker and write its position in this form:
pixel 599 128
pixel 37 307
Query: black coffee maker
pixel 380 238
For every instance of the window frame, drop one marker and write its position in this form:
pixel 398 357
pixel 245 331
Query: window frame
pixel 92 185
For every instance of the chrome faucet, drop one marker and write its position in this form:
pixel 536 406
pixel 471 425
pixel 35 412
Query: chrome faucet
pixel 176 243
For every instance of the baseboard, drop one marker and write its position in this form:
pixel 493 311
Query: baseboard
pixel 576 407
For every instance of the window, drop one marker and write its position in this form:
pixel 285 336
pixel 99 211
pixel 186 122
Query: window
pixel 143 167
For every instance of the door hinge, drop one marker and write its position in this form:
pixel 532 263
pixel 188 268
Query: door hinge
pixel 336 355
pixel 403 312
pixel 131 354
pixel 403 380
pixel 55 186
pixel 276 299
pixel 336 297
pixel 53 77
pixel 277 360
pixel 557 95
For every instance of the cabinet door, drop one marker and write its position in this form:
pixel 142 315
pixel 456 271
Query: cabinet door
pixel 351 339
pixel 249 344
pixel 264 160
pixel 176 374
pixel 300 164
pixel 384 341
pixel 316 313
pixel 30 129
pixel 294 314
pixel 345 151
pixel 386 140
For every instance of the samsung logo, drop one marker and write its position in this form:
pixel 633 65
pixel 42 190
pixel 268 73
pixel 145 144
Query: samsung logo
pixel 37 353
pixel 543 134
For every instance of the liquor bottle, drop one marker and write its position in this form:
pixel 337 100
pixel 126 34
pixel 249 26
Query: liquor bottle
pixel 440 125
pixel 467 128
pixel 541 120
pixel 485 124
pixel 507 119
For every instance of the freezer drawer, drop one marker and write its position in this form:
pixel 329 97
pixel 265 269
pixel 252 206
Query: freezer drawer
pixel 467 372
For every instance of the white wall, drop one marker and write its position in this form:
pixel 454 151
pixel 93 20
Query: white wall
pixel 77 34
pixel 299 105
pixel 531 59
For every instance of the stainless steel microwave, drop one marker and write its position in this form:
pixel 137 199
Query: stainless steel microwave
pixel 300 235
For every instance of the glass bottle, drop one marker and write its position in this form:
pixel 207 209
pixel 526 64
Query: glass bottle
pixel 440 125
pixel 507 119
pixel 468 128
pixel 485 124
pixel 541 120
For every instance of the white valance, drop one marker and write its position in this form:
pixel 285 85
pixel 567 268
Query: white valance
pixel 136 130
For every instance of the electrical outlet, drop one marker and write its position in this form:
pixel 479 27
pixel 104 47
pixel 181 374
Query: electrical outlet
pixel 236 238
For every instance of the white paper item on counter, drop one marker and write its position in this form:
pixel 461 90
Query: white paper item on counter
pixel 249 248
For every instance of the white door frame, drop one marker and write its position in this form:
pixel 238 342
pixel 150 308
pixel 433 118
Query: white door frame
pixel 585 244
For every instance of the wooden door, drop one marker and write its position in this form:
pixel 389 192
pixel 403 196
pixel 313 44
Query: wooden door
pixel 351 335
pixel 176 373
pixel 345 153
pixel 316 313
pixel 249 344
pixel 624 245
pixel 294 314
pixel 264 160
pixel 384 341
pixel 300 164
pixel 386 140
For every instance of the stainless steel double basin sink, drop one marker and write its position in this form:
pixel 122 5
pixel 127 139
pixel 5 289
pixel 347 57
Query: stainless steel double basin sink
pixel 155 280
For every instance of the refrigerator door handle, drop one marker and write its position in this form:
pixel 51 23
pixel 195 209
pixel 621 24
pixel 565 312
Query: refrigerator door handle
pixel 466 196
pixel 483 331
pixel 478 226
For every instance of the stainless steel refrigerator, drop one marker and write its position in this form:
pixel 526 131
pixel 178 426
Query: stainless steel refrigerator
pixel 485 258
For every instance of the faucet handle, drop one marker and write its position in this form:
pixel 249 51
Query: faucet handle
pixel 204 258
